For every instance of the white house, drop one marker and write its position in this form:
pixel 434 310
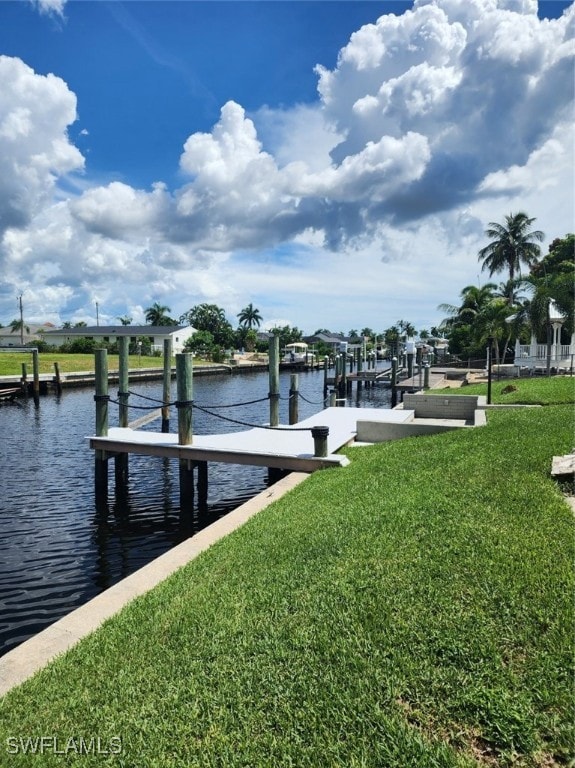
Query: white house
pixel 30 333
pixel 533 356
pixel 179 334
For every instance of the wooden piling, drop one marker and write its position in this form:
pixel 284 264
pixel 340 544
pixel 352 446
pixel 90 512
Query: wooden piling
pixel 294 398
pixel 123 381
pixel 24 380
pixel 101 397
pixel 426 376
pixel 121 461
pixel 57 378
pixel 325 370
pixel 393 382
pixel 36 371
pixel 274 379
pixel 166 393
pixel 359 371
pixel 202 484
pixel 185 387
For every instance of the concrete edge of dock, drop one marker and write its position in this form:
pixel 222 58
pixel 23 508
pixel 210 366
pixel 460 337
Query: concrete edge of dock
pixel 22 662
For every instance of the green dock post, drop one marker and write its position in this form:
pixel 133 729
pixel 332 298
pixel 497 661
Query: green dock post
pixel 123 379
pixel 185 387
pixel 274 379
pixel 293 398
pixel 167 385
pixel 325 369
pixel 121 460
pixel 101 397
pixel 185 382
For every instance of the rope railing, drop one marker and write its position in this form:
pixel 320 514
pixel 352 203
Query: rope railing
pixel 209 411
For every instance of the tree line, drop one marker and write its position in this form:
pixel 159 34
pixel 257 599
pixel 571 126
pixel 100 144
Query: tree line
pixel 522 304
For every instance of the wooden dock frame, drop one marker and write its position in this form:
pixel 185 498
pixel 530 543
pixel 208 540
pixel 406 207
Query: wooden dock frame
pixel 189 456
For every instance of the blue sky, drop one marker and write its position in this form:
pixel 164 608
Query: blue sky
pixel 335 163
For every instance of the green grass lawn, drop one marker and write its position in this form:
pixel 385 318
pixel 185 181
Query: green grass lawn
pixel 11 362
pixel 538 390
pixel 413 609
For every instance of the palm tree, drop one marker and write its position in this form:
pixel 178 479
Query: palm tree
pixel 157 314
pixel 473 299
pixel 250 316
pixel 513 244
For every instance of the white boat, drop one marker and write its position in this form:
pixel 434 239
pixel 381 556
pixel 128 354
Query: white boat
pixel 298 352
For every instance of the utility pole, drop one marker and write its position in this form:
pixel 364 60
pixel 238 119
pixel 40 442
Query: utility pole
pixel 21 321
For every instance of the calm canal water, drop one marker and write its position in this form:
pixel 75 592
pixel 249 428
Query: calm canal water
pixel 57 550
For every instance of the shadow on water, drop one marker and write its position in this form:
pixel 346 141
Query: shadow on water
pixel 58 547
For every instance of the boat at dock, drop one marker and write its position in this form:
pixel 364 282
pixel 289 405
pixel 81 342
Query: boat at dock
pixel 298 352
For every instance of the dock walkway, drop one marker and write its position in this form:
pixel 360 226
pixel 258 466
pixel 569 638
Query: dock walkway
pixel 288 447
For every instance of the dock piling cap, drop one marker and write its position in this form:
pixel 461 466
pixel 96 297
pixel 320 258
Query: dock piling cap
pixel 320 431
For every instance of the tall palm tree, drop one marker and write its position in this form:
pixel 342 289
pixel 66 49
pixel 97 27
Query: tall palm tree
pixel 250 316
pixel 513 244
pixel 473 299
pixel 157 314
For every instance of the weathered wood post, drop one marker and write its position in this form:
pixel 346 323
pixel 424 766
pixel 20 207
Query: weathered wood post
pixel 123 379
pixel 101 398
pixel 57 378
pixel 293 398
pixel 36 371
pixel 274 379
pixel 325 369
pixel 184 376
pixel 24 379
pixel 359 371
pixel 121 460
pixel 167 385
pixel 426 376
pixel 393 382
pixel 333 398
pixel 320 435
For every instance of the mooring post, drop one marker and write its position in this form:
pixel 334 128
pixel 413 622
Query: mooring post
pixel 121 460
pixel 274 379
pixel 57 379
pixel 123 379
pixel 325 368
pixel 36 370
pixel 426 376
pixel 393 382
pixel 320 435
pixel 293 398
pixel 24 379
pixel 359 370
pixel 101 397
pixel 185 386
pixel 202 484
pixel 167 385
pixel 332 398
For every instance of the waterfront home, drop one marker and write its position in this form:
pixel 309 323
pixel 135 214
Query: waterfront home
pixel 156 334
pixel 30 333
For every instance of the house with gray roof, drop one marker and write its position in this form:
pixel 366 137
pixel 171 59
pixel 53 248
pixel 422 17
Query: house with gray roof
pixel 109 334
